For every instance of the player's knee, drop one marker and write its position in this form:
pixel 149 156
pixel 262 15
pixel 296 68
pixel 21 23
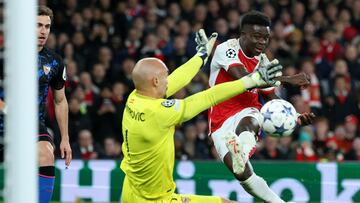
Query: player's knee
pixel 46 154
pixel 246 174
pixel 248 124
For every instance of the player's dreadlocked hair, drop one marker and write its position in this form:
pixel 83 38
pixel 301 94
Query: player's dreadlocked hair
pixel 45 11
pixel 254 18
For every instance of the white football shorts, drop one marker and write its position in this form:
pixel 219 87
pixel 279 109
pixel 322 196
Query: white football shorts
pixel 231 124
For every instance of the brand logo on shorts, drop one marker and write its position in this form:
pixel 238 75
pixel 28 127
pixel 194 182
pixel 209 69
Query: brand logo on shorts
pixel 46 69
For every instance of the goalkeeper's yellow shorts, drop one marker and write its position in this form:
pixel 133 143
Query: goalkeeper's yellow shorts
pixel 129 196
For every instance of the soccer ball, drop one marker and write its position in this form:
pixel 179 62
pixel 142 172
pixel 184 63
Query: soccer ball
pixel 279 118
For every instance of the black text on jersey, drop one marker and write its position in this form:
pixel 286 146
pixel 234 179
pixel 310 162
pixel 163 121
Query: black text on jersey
pixel 139 116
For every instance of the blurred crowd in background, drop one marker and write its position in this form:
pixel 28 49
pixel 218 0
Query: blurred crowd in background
pixel 101 40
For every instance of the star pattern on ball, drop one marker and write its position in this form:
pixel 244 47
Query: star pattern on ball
pixel 279 130
pixel 267 115
pixel 287 111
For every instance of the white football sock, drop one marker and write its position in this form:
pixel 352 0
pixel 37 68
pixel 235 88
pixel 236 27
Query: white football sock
pixel 257 187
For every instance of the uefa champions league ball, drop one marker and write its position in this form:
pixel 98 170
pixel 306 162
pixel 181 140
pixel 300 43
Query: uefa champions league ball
pixel 279 118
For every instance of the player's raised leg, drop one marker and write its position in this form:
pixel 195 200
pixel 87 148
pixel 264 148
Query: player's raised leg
pixel 247 130
pixel 240 149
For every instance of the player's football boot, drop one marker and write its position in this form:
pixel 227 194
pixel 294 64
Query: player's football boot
pixel 241 149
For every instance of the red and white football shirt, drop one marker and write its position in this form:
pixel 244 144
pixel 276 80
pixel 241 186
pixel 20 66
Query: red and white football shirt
pixel 227 55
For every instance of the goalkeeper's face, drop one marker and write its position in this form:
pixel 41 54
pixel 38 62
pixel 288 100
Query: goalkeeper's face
pixel 43 29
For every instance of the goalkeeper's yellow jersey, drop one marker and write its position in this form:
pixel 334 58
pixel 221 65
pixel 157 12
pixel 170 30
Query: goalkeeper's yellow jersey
pixel 148 130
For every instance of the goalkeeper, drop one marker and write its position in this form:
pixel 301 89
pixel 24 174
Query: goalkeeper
pixel 149 122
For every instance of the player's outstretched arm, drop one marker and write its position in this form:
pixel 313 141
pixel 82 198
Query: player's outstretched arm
pixel 300 79
pixel 186 72
pixel 204 45
pixel 306 118
pixel 221 92
pixel 61 112
pixel 183 75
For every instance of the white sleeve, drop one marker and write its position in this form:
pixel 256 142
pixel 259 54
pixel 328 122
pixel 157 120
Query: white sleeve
pixel 225 57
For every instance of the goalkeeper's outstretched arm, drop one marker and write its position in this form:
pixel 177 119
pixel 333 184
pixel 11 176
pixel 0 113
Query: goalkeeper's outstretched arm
pixel 201 101
pixel 185 73
pixel 211 97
